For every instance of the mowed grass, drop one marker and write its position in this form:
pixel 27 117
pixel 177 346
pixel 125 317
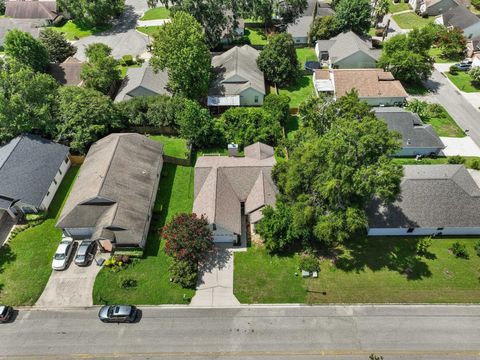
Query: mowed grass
pixel 411 20
pixel 124 69
pixel 306 54
pixel 172 145
pixel 463 81
pixel 469 161
pixel 444 125
pixel 397 7
pixel 156 14
pixel 370 270
pixel 301 89
pixel 25 262
pixel 292 126
pixel 256 36
pixel 151 272
pixel 148 30
pixel 74 30
pixel 436 54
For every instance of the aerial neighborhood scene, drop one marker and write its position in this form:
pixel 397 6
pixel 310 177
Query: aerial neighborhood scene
pixel 199 165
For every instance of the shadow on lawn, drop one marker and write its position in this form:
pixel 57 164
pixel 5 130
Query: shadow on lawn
pixel 300 83
pixel 6 257
pixel 395 254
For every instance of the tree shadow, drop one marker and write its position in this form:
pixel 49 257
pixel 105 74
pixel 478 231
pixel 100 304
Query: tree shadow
pixel 6 256
pixel 395 254
pixel 301 82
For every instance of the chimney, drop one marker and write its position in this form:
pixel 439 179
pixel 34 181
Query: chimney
pixel 232 149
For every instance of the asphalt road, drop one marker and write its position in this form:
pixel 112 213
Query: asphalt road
pixel 327 332
pixel 444 93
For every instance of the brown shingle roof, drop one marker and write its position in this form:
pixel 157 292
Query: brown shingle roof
pixel 68 72
pixel 31 9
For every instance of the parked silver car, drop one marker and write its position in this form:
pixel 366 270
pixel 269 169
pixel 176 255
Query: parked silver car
pixel 118 313
pixel 6 313
pixel 85 252
pixel 63 254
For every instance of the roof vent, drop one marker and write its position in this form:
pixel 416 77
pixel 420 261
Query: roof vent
pixel 409 142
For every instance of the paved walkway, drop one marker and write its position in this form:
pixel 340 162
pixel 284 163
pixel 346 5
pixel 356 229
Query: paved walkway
pixel 215 285
pixel 460 146
pixel 147 23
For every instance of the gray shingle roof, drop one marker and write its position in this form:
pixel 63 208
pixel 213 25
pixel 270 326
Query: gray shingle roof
pixel 28 165
pixel 346 44
pixel 301 27
pixel 29 26
pixel 115 188
pixel 236 70
pixel 460 17
pixel 31 9
pixel 432 196
pixel 143 79
pixel 415 134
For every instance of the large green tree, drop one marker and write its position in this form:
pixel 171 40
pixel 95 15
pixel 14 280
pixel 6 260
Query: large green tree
pixel 27 50
pixel 278 60
pixel 323 28
pixel 101 71
pixel 27 101
pixel 286 11
pixel 58 47
pixel 452 43
pixel 180 48
pixel 353 15
pixel 84 116
pixel 97 12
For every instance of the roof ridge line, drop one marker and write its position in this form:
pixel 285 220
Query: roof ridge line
pixel 109 163
pixel 20 137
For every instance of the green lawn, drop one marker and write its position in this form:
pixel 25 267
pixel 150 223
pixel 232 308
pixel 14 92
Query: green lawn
pixel 148 30
pixel 432 161
pixel 411 20
pixel 400 6
pixel 256 36
pixel 124 69
pixel 444 125
pixel 173 146
pixel 463 81
pixel 25 262
pixel 415 89
pixel 367 271
pixel 151 272
pixel 436 54
pixel 306 54
pixel 299 91
pixel 292 126
pixel 156 14
pixel 75 31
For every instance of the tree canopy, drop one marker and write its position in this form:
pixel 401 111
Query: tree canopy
pixel 180 48
pixel 353 15
pixel 58 47
pixel 100 72
pixel 25 49
pixel 98 12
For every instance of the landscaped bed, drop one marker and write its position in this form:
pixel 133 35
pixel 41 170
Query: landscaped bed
pixel 156 14
pixel 463 81
pixel 151 273
pixel 411 20
pixel 26 261
pixel 369 270
pixel 299 91
pixel 470 161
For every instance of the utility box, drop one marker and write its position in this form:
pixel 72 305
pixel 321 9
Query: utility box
pixel 232 149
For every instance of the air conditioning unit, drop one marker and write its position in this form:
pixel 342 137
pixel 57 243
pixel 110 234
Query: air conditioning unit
pixel 232 149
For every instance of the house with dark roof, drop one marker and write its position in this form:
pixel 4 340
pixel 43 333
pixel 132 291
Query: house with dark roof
pixel 31 26
pixel 348 51
pixel 434 200
pixel 432 7
pixel 67 73
pixel 143 81
pixel 461 18
pixel 31 170
pixel 417 138
pixel 31 9
pixel 113 196
pixel 232 191
pixel 238 80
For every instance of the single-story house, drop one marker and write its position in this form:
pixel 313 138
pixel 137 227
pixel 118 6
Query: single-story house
pixel 68 72
pixel 417 138
pixel 31 9
pixel 375 86
pixel 432 7
pixel 113 196
pixel 476 60
pixel 232 191
pixel 235 28
pixel 461 18
pixel 31 170
pixel 434 200
pixel 238 80
pixel 33 27
pixel 348 51
pixel 143 81
pixel 473 46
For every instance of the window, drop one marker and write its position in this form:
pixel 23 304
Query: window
pixel 48 193
pixel 256 100
pixel 60 171
pixel 410 230
pixel 55 181
pixel 66 160
pixel 439 229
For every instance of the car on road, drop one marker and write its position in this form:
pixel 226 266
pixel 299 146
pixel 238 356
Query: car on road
pixel 118 313
pixel 85 252
pixel 6 313
pixel 63 254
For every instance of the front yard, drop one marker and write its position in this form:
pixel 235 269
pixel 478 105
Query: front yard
pixel 410 20
pixel 74 30
pixel 151 272
pixel 367 271
pixel 444 125
pixel 156 14
pixel 25 263
pixel 301 89
pixel 397 7
pixel 436 54
pixel 463 81
pixel 148 30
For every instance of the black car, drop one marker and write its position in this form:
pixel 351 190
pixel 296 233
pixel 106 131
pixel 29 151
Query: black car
pixel 85 252
pixel 6 313
pixel 118 313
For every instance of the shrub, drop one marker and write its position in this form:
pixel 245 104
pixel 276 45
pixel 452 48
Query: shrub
pixel 128 60
pixel 475 164
pixel 423 245
pixel 460 250
pixel 309 263
pixel 453 70
pixel 457 159
pixel 125 259
pixel 129 283
pixel 38 217
pixel 476 4
pixel 59 21
pixel 184 273
pixel 477 247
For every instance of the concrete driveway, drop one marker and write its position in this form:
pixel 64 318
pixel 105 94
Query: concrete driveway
pixel 70 288
pixel 460 146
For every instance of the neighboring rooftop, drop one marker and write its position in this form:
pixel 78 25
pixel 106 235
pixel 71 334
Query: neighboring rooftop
pixel 459 17
pixel 143 81
pixel 28 165
pixel 26 25
pixel 415 134
pixel 68 72
pixel 31 9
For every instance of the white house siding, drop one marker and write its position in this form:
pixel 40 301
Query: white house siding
pixel 55 184
pixel 384 101
pixel 359 60
pixel 222 235
pixel 247 97
pixel 405 152
pixel 301 40
pixel 472 31
pixel 448 231
pixel 476 61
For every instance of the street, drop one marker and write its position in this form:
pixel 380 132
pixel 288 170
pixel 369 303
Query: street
pixel 278 332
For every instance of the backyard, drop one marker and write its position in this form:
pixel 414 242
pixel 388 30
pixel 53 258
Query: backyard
pixel 397 7
pixel 25 262
pixel 256 36
pixel 172 146
pixel 369 270
pixel 301 89
pixel 463 81
pixel 410 20
pixel 156 14
pixel 175 195
pixel 306 54
pixel 74 30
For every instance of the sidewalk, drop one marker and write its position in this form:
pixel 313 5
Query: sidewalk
pixel 148 23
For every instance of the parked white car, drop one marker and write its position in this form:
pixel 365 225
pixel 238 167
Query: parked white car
pixel 63 254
